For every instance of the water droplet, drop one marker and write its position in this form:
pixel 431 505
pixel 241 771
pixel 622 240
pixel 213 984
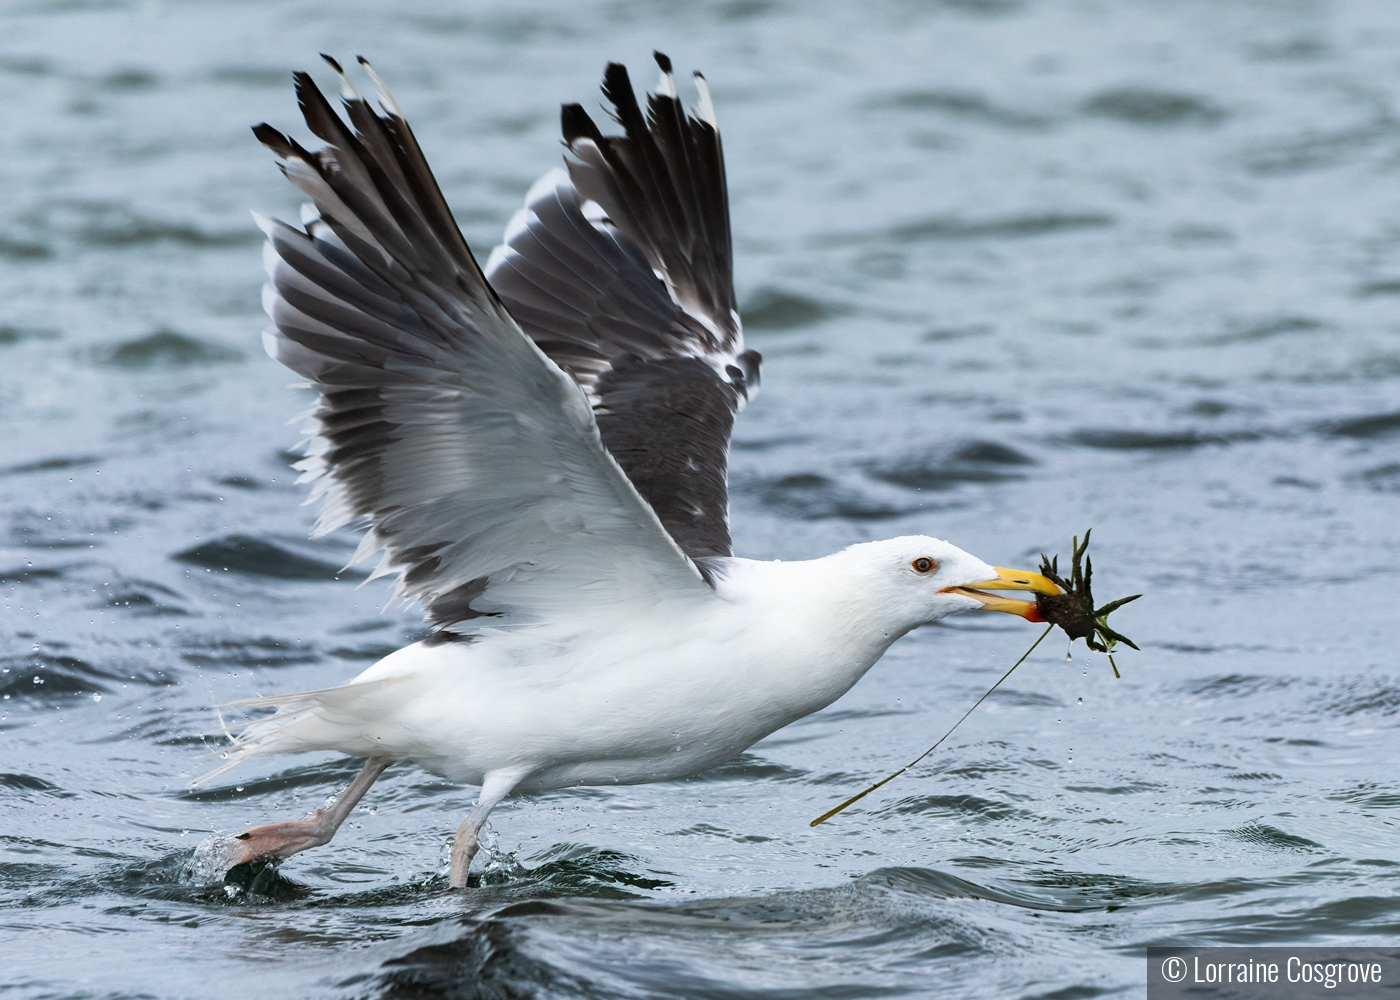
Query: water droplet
pixel 1081 701
pixel 38 680
pixel 1069 656
pixel 96 697
pixel 238 788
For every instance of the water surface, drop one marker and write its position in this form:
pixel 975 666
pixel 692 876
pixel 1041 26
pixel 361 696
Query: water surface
pixel 1017 268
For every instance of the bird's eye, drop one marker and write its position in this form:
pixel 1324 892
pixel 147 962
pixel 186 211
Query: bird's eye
pixel 923 565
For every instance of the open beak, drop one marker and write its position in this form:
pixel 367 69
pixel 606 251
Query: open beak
pixel 1008 579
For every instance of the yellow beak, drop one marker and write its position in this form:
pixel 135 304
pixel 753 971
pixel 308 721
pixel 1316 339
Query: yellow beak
pixel 1008 579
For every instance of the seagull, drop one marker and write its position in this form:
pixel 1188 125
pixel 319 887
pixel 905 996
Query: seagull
pixel 537 452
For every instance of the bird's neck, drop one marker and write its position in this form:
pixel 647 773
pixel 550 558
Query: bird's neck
pixel 822 630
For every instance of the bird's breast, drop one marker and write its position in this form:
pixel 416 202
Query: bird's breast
pixel 649 702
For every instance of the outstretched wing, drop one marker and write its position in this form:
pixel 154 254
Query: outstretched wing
pixel 621 270
pixel 474 459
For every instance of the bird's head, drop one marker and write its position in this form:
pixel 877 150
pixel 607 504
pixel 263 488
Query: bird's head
pixel 920 579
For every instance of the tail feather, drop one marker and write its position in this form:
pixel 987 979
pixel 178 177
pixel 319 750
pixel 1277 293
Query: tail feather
pixel 353 719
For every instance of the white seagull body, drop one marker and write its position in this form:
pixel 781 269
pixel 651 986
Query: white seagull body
pixel 540 451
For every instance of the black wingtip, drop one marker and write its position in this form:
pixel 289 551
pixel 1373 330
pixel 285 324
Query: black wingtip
pixel 303 85
pixel 617 85
pixel 615 79
pixel 273 140
pixel 575 124
pixel 617 88
pixel 333 63
pixel 662 60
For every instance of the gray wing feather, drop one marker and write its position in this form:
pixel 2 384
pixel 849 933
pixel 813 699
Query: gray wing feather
pixel 620 270
pixel 475 461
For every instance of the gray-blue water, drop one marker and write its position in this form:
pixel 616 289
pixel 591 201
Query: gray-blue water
pixel 1016 268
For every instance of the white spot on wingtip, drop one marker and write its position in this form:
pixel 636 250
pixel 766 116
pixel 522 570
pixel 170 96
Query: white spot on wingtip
pixel 706 107
pixel 666 85
pixel 586 150
pixel 386 99
pixel 347 89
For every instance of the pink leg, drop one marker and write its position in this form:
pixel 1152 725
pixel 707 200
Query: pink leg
pixel 282 840
pixel 498 785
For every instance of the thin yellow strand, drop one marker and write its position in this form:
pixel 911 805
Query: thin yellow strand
pixel 860 795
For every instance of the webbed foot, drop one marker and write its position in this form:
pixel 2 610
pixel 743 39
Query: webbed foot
pixel 278 840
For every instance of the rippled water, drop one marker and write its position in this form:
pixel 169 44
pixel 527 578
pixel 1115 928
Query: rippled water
pixel 1016 269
